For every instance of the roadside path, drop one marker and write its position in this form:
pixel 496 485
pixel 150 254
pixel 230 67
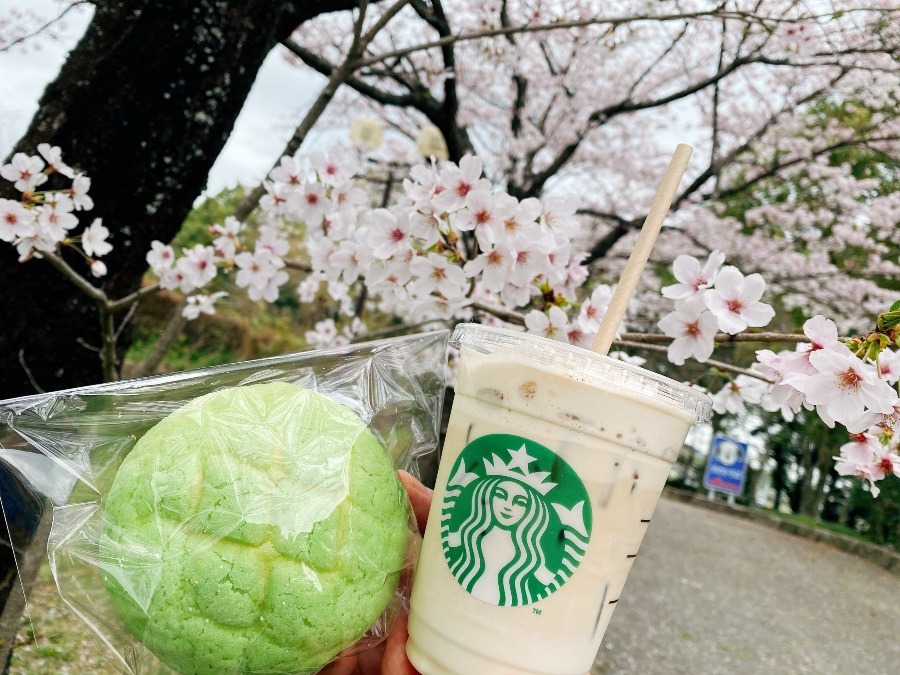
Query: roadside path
pixel 710 593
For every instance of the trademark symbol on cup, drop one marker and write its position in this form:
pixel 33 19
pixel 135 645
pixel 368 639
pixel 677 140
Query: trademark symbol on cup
pixel 536 611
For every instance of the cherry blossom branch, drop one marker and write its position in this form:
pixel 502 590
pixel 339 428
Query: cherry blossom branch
pixel 721 365
pixel 297 265
pixel 502 314
pixel 171 332
pixel 106 308
pixel 659 338
pixel 338 77
pixel 132 299
pixel 38 388
pixel 79 281
pixel 47 25
pixel 557 25
pixel 108 356
pixel 714 170
pixel 655 338
pixel 737 189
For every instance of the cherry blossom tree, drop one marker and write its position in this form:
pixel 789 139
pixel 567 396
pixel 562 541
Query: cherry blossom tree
pixel 768 95
pixel 556 116
pixel 142 105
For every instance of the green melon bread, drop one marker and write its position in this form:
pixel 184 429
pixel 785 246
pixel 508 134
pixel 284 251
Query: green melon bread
pixel 258 529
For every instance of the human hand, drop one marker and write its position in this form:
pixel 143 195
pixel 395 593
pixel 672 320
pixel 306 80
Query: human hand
pixel 389 657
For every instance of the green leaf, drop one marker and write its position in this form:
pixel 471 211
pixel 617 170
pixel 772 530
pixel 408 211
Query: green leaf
pixel 895 307
pixel 889 319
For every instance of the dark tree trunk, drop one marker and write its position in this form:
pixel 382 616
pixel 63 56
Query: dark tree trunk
pixel 825 466
pixel 143 105
pixel 779 475
pixel 802 496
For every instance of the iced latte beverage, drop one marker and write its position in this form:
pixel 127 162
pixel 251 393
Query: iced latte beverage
pixel 554 460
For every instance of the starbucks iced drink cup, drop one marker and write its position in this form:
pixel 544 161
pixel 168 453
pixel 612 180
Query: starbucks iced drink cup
pixel 554 460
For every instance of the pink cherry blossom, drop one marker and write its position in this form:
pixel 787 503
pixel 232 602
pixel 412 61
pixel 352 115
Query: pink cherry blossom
pixel 889 366
pixel 425 227
pixel 530 259
pixel 735 301
pixel 93 239
pixel 578 336
pixel 694 330
pixel 79 193
pixel 268 290
pixel 15 220
pixel 195 305
pixel 388 233
pixel 523 219
pixel 885 464
pixel 514 295
pixel 323 335
pixel 846 387
pixel 32 240
pixel 822 334
pixel 333 168
pixel 875 422
pixel 24 171
pixel 347 200
pixel 98 268
pixel 55 217
pixel 559 214
pixel 171 278
pixel 309 288
pixel 226 240
pixel 438 307
pixel 568 279
pixel 53 155
pixel 552 324
pixel 349 260
pixel 742 389
pixel 307 204
pixel 484 214
pixel 458 182
pixel 198 267
pixel 594 308
pixel 865 457
pixel 390 275
pixel 275 242
pixel 436 273
pixel 288 171
pixel 276 198
pixel 693 279
pixel 780 397
pixel 628 358
pixel 255 269
pixel 160 257
pixel 422 185
pixel 493 265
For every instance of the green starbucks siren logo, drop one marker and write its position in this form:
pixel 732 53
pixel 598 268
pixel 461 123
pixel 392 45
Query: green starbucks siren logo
pixel 515 522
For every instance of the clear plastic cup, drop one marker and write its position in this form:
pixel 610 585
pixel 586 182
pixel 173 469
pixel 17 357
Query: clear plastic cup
pixel 554 460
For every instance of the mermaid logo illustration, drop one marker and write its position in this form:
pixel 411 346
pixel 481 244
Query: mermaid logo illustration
pixel 513 532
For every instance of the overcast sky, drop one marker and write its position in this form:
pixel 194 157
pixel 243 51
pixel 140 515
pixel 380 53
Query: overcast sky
pixel 276 102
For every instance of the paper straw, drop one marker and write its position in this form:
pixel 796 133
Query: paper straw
pixel 641 251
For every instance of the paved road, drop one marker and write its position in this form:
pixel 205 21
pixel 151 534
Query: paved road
pixel 710 594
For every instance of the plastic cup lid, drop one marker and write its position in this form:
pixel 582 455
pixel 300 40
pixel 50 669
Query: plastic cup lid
pixel 585 365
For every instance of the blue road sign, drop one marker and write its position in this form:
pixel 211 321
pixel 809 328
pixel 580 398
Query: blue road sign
pixel 726 468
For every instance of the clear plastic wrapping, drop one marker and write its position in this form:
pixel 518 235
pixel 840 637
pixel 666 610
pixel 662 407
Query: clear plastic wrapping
pixel 239 519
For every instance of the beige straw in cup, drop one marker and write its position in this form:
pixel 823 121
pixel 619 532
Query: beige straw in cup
pixel 641 251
